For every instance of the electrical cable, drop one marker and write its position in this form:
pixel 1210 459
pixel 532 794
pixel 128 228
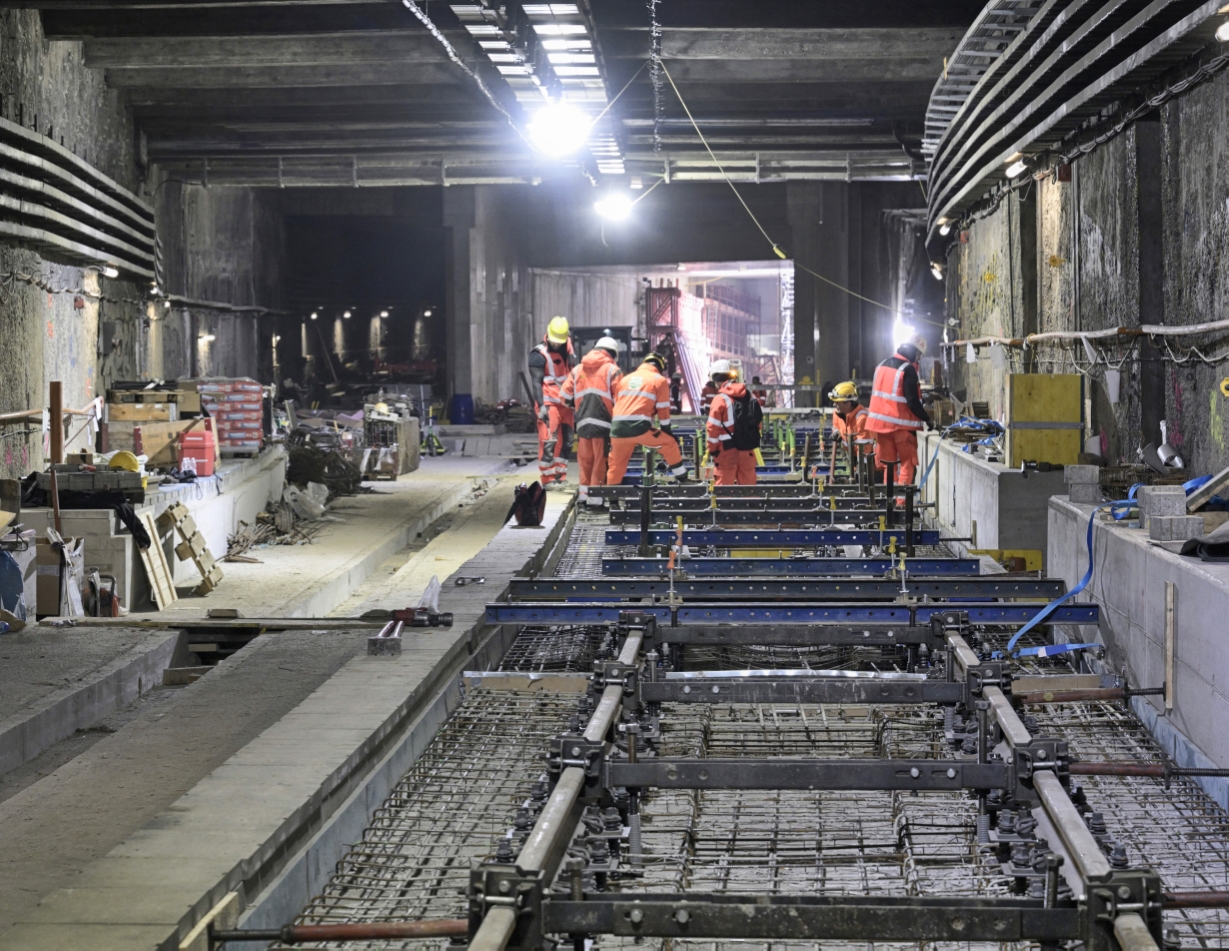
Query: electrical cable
pixel 775 247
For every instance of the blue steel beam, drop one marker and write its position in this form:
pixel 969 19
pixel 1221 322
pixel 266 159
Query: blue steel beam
pixel 607 612
pixel 789 567
pixel 801 538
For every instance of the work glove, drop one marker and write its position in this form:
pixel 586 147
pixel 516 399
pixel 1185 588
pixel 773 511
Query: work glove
pixel 930 424
pixel 544 414
pixel 714 453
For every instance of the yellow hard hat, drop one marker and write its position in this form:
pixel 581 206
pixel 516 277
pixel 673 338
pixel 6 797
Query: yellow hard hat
pixel 557 330
pixel 125 460
pixel 844 392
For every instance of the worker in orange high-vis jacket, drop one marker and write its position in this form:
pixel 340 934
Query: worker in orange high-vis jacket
pixel 733 427
pixel 849 420
pixel 590 390
pixel 706 396
pixel 550 364
pixel 896 413
pixel 642 396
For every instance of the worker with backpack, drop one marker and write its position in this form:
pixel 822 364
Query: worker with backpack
pixel 733 427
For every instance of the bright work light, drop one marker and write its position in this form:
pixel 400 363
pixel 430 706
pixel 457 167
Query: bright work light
pixel 558 129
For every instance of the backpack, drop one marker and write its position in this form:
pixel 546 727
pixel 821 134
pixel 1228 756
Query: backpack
pixel 748 415
pixel 529 505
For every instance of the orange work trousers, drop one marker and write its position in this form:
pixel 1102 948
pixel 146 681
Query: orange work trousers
pixel 592 452
pixel 553 437
pixel 899 446
pixel 736 467
pixel 622 447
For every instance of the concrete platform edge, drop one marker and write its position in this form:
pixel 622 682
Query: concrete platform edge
pixel 25 736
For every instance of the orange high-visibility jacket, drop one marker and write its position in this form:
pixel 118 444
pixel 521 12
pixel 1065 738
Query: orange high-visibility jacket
pixel 591 388
pixel 889 410
pixel 639 396
pixel 720 427
pixel 558 367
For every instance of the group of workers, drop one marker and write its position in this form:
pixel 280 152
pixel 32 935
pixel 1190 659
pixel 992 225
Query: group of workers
pixel 612 413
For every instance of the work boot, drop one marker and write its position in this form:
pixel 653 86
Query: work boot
pixel 680 473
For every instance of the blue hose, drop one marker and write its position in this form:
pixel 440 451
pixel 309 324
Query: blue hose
pixel 1040 616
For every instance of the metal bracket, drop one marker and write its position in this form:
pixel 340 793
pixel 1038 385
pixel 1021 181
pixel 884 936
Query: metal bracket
pixel 495 885
pixel 613 673
pixel 1130 891
pixel 987 674
pixel 573 749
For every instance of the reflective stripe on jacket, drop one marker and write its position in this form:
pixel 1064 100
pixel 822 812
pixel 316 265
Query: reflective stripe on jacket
pixel 639 397
pixel 720 428
pixel 591 389
pixel 889 410
pixel 557 370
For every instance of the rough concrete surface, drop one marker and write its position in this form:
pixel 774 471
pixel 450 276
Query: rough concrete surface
pixel 123 781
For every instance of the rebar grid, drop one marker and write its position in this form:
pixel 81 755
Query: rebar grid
pixel 1174 828
pixel 568 649
pixel 450 810
pixel 586 546
pixel 795 842
pixel 766 657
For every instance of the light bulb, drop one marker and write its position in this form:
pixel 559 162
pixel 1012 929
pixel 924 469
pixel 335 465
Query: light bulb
pixel 346 315
pixel 1222 32
pixel 1016 168
pixel 383 313
pixel 426 313
pixel 110 271
pixel 945 229
pixel 615 206
pixel 901 332
pixel 314 315
pixel 208 338
pixel 558 129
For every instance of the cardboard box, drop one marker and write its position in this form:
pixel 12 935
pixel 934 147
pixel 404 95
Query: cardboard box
pixel 54 576
pixel 142 412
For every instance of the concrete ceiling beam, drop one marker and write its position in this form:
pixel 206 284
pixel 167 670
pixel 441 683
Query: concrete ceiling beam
pixel 802 44
pixel 246 77
pixel 416 46
pixel 787 14
pixel 254 20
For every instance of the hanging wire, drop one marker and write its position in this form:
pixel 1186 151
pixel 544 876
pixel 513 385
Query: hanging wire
pixel 775 247
pixel 655 71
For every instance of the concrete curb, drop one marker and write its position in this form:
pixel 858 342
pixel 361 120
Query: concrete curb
pixel 26 735
pixel 320 597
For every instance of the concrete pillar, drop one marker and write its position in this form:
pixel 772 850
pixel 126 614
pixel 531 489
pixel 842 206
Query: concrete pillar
pixel 803 210
pixel 458 224
pixel 832 254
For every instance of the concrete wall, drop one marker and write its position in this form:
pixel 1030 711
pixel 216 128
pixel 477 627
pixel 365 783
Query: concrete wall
pixel 66 323
pixel 1138 233
pixel 50 314
pixel 1129 583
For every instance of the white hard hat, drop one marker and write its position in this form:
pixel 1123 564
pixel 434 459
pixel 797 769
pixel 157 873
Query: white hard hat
pixel 719 368
pixel 608 343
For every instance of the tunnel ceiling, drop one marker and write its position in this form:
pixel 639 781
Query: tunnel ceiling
pixel 360 92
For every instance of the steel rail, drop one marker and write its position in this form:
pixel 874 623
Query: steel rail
pixel 768 538
pixel 557 820
pixel 788 567
pixel 984 586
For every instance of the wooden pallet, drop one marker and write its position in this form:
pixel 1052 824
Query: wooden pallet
pixel 193 545
pixel 156 567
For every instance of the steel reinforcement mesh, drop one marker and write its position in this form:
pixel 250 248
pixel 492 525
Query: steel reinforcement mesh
pixel 449 811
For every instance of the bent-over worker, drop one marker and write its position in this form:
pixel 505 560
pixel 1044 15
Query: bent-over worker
pixel 641 396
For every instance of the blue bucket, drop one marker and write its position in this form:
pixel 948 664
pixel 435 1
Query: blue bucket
pixel 461 410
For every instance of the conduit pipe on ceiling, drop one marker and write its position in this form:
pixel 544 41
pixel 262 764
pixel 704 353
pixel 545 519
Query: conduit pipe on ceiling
pixel 1146 330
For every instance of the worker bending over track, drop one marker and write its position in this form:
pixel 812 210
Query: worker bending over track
pixel 733 427
pixel 590 390
pixel 550 363
pixel 849 421
pixel 640 396
pixel 896 411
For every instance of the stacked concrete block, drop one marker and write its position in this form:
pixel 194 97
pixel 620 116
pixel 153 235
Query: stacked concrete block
pixel 1161 500
pixel 1083 484
pixel 1174 528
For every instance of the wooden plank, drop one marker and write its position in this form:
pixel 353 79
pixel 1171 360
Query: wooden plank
pixel 156 567
pixel 140 412
pixel 1037 399
pixel 1202 495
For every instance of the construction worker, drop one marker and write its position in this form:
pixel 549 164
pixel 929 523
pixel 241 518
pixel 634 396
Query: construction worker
pixel 706 396
pixel 590 389
pixel 733 427
pixel 761 396
pixel 640 396
pixel 849 420
pixel 550 363
pixel 896 412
